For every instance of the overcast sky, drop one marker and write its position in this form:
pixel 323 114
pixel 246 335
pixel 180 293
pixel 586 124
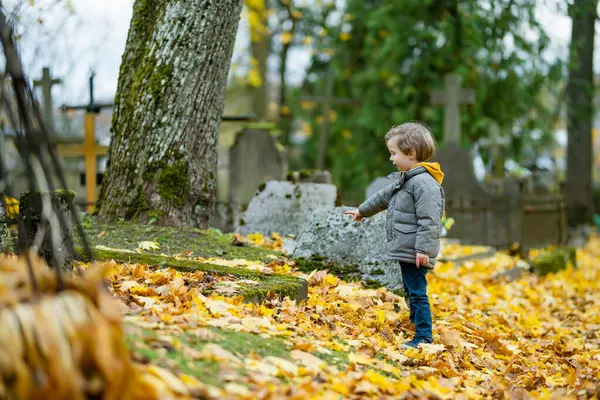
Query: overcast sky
pixel 94 37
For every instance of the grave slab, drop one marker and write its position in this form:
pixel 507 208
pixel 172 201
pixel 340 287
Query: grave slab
pixel 334 236
pixel 285 207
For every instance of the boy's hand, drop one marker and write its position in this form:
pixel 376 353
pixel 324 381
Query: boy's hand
pixel 355 215
pixel 422 259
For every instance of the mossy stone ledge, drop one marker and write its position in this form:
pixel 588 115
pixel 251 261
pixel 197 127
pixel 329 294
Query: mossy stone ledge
pixel 280 285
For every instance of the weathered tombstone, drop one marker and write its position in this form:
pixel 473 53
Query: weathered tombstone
pixel 480 216
pixel 30 216
pixel 333 235
pixel 285 207
pixel 377 185
pixel 254 158
pixel 499 218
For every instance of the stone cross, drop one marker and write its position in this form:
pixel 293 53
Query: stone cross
pixel 451 97
pixel 497 143
pixel 328 101
pixel 46 83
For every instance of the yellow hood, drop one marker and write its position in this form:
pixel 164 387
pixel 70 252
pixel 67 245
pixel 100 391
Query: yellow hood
pixel 434 170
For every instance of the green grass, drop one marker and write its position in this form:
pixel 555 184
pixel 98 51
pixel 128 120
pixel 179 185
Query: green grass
pixel 241 344
pixel 172 240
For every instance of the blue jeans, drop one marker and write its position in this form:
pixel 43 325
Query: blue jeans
pixel 415 286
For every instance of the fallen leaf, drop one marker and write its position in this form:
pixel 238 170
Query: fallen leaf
pixel 147 245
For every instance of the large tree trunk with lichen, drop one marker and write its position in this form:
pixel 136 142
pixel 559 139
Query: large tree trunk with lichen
pixel 580 114
pixel 167 115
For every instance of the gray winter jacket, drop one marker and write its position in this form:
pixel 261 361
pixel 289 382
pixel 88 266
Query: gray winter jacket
pixel 415 204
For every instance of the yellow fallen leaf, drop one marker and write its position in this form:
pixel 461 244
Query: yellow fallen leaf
pixel 360 359
pixel 175 384
pixel 147 245
pixel 288 367
pixel 237 389
pixel 215 352
pixel 310 361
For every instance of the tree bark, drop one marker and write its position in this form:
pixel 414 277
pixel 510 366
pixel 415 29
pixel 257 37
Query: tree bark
pixel 580 113
pixel 167 114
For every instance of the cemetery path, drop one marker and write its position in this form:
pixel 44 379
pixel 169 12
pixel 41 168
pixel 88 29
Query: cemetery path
pixel 533 337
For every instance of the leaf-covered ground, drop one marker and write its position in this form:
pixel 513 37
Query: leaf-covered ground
pixel 536 337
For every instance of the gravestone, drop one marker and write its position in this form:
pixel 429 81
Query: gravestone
pixel 254 158
pixel 333 235
pixel 481 217
pixel 285 207
pixel 499 218
pixel 31 209
pixel 377 185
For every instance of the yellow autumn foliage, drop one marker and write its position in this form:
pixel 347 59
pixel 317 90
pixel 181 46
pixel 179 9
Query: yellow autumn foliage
pixel 12 207
pixel 535 337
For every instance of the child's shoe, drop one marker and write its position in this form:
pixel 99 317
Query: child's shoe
pixel 415 343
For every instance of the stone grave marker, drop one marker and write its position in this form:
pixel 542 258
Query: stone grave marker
pixel 481 217
pixel 254 158
pixel 285 207
pixel 30 219
pixel 333 235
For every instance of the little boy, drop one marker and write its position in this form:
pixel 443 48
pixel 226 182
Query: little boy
pixel 415 204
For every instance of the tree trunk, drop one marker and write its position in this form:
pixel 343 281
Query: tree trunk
pixel 167 115
pixel 580 113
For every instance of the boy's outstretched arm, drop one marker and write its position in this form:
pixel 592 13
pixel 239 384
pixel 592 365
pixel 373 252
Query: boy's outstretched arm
pixel 429 210
pixel 378 202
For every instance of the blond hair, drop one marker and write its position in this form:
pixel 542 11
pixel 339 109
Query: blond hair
pixel 413 136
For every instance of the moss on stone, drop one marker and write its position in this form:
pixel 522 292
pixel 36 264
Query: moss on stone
pixel 202 242
pixel 554 261
pixel 372 284
pixel 347 272
pixel 64 196
pixel 305 173
pixel 269 285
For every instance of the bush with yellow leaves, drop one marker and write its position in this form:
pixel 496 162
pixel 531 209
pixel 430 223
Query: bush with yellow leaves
pixel 12 207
